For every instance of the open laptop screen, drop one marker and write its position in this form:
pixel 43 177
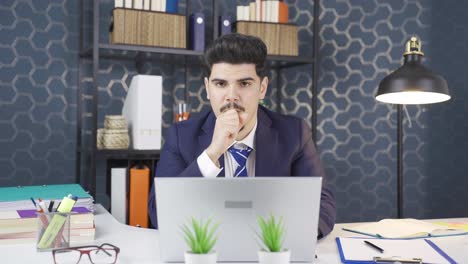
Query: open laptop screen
pixel 235 203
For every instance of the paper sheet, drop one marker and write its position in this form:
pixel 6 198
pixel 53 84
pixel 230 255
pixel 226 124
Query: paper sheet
pixel 356 249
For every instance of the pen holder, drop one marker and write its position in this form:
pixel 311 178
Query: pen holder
pixel 53 231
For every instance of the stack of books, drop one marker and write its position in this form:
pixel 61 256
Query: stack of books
pixel 20 226
pixel 274 11
pixel 169 6
pixel 18 218
pixel 268 20
pixel 280 39
pixel 140 26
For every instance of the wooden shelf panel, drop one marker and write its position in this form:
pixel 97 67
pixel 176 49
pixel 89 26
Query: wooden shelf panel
pixel 124 153
pixel 176 56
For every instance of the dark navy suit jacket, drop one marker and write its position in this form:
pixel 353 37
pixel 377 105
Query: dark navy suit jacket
pixel 283 147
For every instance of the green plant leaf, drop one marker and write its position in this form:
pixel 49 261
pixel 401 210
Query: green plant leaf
pixel 199 235
pixel 272 233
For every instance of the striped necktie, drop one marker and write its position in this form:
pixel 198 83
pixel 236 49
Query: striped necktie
pixel 240 155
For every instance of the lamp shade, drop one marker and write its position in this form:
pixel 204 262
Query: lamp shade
pixel 413 83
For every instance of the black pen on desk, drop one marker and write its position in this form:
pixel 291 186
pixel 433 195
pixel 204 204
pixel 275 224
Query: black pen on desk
pixel 57 206
pixel 374 246
pixel 51 205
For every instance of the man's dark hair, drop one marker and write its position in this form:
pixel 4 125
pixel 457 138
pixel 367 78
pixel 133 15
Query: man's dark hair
pixel 236 48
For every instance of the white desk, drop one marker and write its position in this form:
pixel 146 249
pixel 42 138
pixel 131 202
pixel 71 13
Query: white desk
pixel 138 245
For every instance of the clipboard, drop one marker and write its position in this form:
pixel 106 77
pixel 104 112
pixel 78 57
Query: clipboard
pixel 354 250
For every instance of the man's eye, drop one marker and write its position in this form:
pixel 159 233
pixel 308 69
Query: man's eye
pixel 220 84
pixel 245 84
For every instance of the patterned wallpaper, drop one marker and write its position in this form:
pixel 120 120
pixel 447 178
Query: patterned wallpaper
pixel 362 41
pixel 38 80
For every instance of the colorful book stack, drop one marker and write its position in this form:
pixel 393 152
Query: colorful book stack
pixel 274 11
pixel 268 20
pixel 169 6
pixel 149 23
pixel 18 218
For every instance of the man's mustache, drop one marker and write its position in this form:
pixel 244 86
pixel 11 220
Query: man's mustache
pixel 234 105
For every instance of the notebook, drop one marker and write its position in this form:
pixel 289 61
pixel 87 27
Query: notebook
pixel 355 250
pixel 404 228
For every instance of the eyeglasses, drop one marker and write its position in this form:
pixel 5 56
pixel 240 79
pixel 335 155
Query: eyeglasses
pixel 103 254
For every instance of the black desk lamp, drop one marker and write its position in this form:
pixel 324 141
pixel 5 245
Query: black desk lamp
pixel 412 83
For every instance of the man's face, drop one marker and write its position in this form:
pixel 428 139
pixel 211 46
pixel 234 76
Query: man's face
pixel 236 86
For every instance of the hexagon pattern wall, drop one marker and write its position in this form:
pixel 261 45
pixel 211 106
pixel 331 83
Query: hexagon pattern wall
pixel 361 42
pixel 38 80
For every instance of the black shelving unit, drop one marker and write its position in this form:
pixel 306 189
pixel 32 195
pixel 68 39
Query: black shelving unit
pixel 185 57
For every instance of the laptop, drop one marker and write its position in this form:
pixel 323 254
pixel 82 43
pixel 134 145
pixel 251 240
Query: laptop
pixel 235 203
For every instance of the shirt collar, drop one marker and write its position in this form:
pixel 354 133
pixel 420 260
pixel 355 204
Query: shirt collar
pixel 250 138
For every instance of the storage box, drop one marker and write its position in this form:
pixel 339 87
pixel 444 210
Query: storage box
pixel 281 39
pixel 143 111
pixel 150 28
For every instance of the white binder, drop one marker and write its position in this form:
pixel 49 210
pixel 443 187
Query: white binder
pixel 143 111
pixel 119 194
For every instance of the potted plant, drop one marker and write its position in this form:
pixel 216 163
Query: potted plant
pixel 200 238
pixel 272 237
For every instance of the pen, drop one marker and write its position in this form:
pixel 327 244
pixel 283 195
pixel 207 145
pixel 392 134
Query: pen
pixel 33 202
pixel 58 205
pixel 51 205
pixel 42 205
pixel 374 246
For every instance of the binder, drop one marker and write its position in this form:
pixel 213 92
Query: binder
pixel 119 194
pixel 355 250
pixel 197 32
pixel 142 110
pixel 283 14
pixel 172 6
pixel 224 25
pixel 139 192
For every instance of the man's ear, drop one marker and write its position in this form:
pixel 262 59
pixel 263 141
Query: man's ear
pixel 263 87
pixel 207 90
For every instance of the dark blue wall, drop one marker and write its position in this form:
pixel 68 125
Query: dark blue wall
pixel 362 41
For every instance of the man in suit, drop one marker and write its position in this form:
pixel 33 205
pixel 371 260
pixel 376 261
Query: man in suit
pixel 239 138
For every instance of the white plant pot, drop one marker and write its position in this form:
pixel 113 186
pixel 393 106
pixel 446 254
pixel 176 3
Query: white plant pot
pixel 265 257
pixel 191 258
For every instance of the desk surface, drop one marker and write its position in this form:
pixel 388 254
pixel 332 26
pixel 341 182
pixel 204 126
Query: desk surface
pixel 140 245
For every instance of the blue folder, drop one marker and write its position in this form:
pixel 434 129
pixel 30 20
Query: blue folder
pixel 46 192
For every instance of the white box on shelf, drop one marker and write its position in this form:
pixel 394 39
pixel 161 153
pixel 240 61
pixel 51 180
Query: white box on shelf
pixel 143 111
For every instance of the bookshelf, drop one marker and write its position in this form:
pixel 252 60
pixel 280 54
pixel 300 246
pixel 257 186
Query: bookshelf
pixel 97 51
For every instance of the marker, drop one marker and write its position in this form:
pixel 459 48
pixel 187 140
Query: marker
pixel 374 246
pixel 67 204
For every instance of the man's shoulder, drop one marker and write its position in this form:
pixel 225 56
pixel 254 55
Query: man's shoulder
pixel 278 119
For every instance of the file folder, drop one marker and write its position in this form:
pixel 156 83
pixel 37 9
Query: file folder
pixel 139 192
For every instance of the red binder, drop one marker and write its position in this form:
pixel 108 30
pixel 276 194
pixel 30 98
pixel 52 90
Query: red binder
pixel 139 191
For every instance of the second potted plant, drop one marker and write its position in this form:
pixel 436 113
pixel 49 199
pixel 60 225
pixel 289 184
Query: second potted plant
pixel 200 237
pixel 272 237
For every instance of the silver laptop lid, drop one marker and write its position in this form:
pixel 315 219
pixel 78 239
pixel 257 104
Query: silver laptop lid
pixel 235 203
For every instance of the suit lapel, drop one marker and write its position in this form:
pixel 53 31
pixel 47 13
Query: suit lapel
pixel 204 139
pixel 266 146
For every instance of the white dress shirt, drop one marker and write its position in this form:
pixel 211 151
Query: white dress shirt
pixel 209 169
